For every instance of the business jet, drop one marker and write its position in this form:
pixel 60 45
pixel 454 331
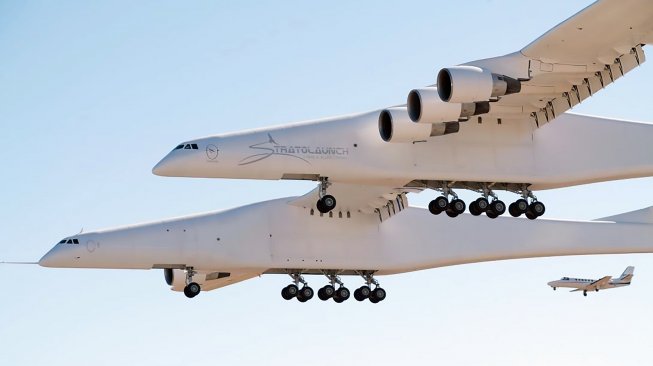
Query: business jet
pixel 495 124
pixel 580 284
pixel 488 125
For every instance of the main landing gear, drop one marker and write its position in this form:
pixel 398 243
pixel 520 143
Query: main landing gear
pixel 492 209
pixel 326 202
pixel 191 289
pixel 442 204
pixel 532 211
pixel 304 294
pixel 335 290
pixel 489 203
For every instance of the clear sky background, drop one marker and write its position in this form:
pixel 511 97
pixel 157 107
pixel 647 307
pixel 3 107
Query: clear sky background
pixel 93 94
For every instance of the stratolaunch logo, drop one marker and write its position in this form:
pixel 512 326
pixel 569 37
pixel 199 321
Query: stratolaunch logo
pixel 302 152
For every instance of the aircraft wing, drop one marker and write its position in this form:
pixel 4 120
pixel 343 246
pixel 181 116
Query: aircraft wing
pixel 382 201
pixel 572 61
pixel 598 283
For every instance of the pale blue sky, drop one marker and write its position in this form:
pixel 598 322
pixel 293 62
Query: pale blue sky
pixel 93 94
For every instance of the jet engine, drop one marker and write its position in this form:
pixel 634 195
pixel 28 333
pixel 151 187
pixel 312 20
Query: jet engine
pixel 425 106
pixel 464 84
pixel 175 278
pixel 396 126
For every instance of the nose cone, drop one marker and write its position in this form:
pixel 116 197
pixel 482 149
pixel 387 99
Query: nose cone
pixel 56 257
pixel 165 168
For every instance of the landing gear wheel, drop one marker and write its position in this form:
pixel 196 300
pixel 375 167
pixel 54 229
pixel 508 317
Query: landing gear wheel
pixel 498 207
pixel 326 292
pixel 451 213
pixel 537 208
pixel 584 293
pixel 326 203
pixel 192 289
pixel 329 202
pixel 491 214
pixel 305 294
pixel 482 204
pixel 441 203
pixel 320 207
pixel 378 294
pixel 362 293
pixel 458 206
pixel 433 208
pixel 289 292
pixel 474 209
pixel 513 210
pixel 554 289
pixel 341 295
pixel 530 215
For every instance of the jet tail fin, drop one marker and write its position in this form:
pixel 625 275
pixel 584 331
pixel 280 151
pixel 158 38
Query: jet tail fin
pixel 643 216
pixel 627 275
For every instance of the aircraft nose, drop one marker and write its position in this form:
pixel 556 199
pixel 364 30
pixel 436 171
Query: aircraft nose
pixel 54 258
pixel 165 167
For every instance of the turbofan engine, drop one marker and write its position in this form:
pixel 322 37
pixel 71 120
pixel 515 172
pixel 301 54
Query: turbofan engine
pixel 396 126
pixel 175 278
pixel 464 84
pixel 425 106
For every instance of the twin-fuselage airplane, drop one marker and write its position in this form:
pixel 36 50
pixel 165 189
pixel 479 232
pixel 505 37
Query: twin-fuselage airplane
pixel 604 283
pixel 498 124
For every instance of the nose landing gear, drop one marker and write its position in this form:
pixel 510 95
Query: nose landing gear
pixel 191 289
pixel 326 202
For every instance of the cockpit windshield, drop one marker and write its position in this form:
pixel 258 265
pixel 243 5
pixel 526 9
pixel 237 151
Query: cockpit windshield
pixel 186 146
pixel 69 241
pixel 565 278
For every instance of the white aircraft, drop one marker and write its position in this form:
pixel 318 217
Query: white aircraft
pixel 488 125
pixel 580 284
pixel 493 124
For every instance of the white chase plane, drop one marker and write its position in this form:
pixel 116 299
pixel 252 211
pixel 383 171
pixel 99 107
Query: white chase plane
pixel 581 284
pixel 488 125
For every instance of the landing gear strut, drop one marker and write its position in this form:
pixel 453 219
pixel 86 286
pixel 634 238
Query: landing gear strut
pixel 191 289
pixel 304 294
pixel 326 202
pixel 366 292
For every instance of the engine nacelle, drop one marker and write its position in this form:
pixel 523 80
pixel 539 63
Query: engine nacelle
pixel 464 84
pixel 425 106
pixel 175 278
pixel 396 126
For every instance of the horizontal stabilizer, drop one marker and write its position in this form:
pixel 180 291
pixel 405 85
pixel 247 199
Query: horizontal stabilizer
pixel 643 216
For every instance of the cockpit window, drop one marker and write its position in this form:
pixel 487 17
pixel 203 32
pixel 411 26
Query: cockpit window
pixel 75 241
pixel 69 241
pixel 62 241
pixel 187 147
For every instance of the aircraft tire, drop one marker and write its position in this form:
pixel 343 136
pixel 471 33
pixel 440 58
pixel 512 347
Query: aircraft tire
pixel 482 204
pixel 491 214
pixel 498 207
pixel 451 213
pixel 458 206
pixel 474 209
pixel 441 203
pixel 192 289
pixel 433 208
pixel 537 208
pixel 289 292
pixel 328 202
